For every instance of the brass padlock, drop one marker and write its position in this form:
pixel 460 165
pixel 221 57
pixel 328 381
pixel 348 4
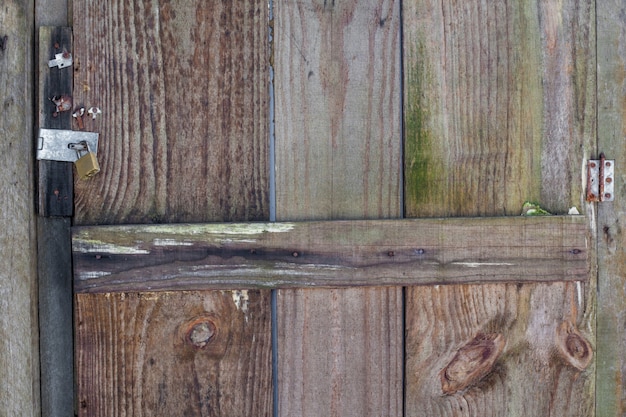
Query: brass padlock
pixel 87 164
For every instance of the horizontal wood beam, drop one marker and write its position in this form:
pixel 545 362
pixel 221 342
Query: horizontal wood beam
pixel 330 253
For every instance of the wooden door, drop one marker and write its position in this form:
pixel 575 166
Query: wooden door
pixel 480 108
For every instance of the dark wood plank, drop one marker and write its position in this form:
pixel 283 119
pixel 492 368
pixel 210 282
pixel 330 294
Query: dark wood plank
pixel 53 238
pixel 182 87
pixel 19 365
pixel 174 354
pixel 184 126
pixel 499 109
pixel 56 325
pixel 338 156
pixel 611 338
pixel 55 181
pixel 330 254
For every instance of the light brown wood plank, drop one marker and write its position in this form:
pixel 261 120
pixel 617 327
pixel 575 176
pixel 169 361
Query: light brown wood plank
pixel 530 378
pixel 130 341
pixel 499 109
pixel 184 127
pixel 499 105
pixel 184 137
pixel 330 253
pixel 19 365
pixel 611 349
pixel 340 352
pixel 337 115
pixel 337 109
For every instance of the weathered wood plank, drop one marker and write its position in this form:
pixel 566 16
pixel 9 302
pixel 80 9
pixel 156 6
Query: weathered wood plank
pixel 184 127
pixel 52 13
pixel 55 182
pixel 611 338
pixel 182 87
pixel 337 112
pixel 330 254
pixel 174 354
pixel 530 378
pixel 56 326
pixel 499 100
pixel 19 365
pixel 499 109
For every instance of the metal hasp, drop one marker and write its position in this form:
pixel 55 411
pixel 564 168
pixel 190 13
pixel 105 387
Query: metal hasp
pixel 59 145
pixel 600 181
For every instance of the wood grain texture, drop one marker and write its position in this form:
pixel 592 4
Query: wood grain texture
pixel 340 352
pixel 19 365
pixel 337 109
pixel 611 338
pixel 184 127
pixel 530 378
pixel 499 109
pixel 337 114
pixel 499 105
pixel 184 137
pixel 174 354
pixel 55 187
pixel 330 254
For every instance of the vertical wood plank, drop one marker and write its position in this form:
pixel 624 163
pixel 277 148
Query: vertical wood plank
pixel 499 109
pixel 53 236
pixel 499 103
pixel 611 339
pixel 337 110
pixel 183 91
pixel 19 365
pixel 174 354
pixel 55 181
pixel 338 156
pixel 184 127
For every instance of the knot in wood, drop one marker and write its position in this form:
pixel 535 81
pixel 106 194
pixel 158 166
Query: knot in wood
pixel 573 347
pixel 200 333
pixel 472 362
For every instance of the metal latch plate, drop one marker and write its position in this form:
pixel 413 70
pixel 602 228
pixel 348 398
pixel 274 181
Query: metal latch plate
pixel 600 179
pixel 54 144
pixel 61 60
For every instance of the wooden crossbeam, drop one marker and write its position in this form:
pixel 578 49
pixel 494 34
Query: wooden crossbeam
pixel 330 253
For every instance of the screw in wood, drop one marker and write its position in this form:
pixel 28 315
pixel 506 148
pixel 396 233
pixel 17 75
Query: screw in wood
pixel 78 115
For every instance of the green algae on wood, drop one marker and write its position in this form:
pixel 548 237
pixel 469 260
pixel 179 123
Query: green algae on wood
pixel 422 165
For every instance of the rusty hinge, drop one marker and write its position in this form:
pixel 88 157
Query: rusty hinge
pixel 600 179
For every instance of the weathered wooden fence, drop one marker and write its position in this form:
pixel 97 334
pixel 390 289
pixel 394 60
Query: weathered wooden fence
pixel 382 110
